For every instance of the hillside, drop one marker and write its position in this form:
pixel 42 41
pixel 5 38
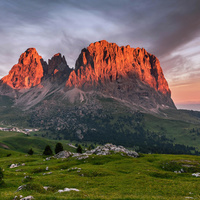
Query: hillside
pixel 111 122
pixel 19 142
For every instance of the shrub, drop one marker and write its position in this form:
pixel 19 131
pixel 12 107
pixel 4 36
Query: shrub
pixel 58 148
pixel 47 151
pixel 30 152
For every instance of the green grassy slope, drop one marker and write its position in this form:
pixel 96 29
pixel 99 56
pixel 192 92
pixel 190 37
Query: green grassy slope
pixel 103 177
pixel 179 131
pixel 22 143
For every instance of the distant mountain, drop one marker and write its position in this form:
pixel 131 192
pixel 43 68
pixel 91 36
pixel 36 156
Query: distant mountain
pixel 195 107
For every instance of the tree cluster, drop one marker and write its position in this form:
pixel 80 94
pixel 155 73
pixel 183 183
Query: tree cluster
pixel 47 151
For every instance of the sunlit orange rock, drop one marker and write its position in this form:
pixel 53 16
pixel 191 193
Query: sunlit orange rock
pixel 27 73
pixel 104 62
pixel 129 74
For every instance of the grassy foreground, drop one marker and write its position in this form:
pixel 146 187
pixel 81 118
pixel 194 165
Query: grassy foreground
pixel 115 176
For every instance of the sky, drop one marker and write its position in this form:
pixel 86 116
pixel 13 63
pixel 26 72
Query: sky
pixel 168 29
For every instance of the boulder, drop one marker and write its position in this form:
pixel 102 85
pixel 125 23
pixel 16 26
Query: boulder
pixel 68 190
pixel 14 166
pixel 196 174
pixel 27 198
pixel 63 154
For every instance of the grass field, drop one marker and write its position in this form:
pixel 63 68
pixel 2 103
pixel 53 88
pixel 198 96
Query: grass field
pixel 150 176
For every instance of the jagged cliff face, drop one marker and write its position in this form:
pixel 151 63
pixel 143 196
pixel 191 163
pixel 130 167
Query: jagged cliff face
pixel 57 69
pixel 104 62
pixel 124 73
pixel 27 73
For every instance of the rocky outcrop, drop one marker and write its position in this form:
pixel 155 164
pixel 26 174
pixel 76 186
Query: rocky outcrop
pixel 57 69
pixel 63 154
pixel 122 72
pixel 27 73
pixel 107 149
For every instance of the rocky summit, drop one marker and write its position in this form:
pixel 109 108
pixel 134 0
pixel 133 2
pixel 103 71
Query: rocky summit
pixel 122 72
pixel 27 73
pixel 57 69
pixel 104 62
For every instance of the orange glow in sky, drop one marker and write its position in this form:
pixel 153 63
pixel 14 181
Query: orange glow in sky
pixel 186 94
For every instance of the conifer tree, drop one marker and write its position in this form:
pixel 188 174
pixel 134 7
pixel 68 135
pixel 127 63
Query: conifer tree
pixel 1 176
pixel 79 149
pixel 47 151
pixel 58 148
pixel 30 152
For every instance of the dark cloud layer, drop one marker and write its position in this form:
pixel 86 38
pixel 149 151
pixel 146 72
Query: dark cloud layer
pixel 67 26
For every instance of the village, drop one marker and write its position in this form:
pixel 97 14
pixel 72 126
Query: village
pixel 16 129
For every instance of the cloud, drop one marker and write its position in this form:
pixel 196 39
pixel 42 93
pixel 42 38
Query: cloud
pixel 67 26
pixel 180 70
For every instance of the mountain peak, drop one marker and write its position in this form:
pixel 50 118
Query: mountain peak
pixel 107 62
pixel 57 55
pixel 120 71
pixel 31 50
pixel 57 68
pixel 27 73
pixel 29 55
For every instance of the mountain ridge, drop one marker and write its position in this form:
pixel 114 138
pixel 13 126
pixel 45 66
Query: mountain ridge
pixel 125 73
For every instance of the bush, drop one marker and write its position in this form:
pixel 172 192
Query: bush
pixel 58 148
pixel 79 149
pixel 30 152
pixel 1 176
pixel 47 151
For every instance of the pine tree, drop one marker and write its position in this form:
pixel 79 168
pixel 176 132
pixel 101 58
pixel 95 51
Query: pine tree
pixel 30 152
pixel 1 176
pixel 47 151
pixel 58 148
pixel 79 149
